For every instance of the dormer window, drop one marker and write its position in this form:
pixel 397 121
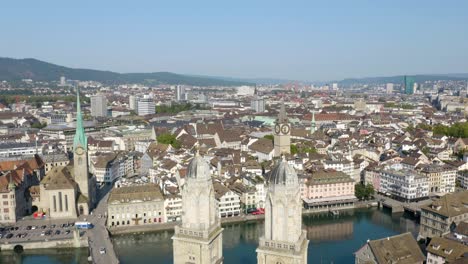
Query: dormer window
pixel 448 251
pixel 436 246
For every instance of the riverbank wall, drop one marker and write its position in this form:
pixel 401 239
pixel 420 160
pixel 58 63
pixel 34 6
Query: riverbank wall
pixel 46 244
pixel 228 220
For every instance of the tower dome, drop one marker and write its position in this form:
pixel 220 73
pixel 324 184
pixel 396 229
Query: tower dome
pixel 283 174
pixel 198 168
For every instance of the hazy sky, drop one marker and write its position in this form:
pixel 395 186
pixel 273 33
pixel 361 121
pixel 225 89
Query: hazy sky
pixel 303 40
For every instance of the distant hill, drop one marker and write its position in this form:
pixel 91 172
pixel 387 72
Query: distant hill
pixel 399 79
pixel 17 69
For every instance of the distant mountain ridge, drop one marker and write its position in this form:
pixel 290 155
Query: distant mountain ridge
pixel 17 69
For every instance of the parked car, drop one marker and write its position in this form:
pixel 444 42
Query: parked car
pixel 57 232
pixel 251 210
pixel 10 235
pixel 102 250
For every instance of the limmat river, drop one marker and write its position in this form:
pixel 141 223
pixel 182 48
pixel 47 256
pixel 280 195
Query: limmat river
pixel 333 239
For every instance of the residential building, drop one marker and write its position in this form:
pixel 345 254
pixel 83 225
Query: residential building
pixel 247 194
pixel 98 105
pixel 441 178
pixel 180 93
pixel 146 106
pixel 135 205
pixel 55 160
pixel 401 248
pixel 109 167
pixel 328 189
pixel 442 250
pixel 438 218
pixel 10 149
pixel 258 104
pixel 133 102
pixel 342 165
pixel 404 184
pixel 17 176
pixel 229 202
pixel 263 149
pixel 173 207
pixel 389 88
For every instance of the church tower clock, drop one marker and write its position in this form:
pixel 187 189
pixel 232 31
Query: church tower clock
pixel 282 136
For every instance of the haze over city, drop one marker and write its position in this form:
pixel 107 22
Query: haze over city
pixel 296 40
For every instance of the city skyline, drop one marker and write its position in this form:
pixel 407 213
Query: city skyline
pixel 300 41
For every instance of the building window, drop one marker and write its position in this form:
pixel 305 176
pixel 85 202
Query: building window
pixel 55 203
pixel 60 202
pixel 66 202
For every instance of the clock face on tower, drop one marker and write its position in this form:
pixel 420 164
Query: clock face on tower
pixel 285 129
pixel 277 129
pixel 79 150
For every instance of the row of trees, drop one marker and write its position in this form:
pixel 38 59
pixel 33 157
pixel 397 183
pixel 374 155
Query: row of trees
pixel 456 130
pixel 395 105
pixel 177 108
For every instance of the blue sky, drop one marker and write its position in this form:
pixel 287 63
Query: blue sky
pixel 304 40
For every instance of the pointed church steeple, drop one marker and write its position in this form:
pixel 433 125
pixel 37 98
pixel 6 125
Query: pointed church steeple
pixel 313 125
pixel 282 117
pixel 80 137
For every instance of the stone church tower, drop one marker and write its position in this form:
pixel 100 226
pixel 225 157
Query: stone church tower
pixel 282 136
pixel 80 163
pixel 198 239
pixel 284 241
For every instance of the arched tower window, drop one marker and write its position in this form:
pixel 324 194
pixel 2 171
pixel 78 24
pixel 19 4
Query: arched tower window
pixel 80 161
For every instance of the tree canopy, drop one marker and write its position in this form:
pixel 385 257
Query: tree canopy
pixel 167 138
pixel 363 192
pixel 456 130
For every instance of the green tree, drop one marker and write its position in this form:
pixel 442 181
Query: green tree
pixel 363 192
pixel 294 149
pixel 270 137
pixel 38 125
pixel 167 138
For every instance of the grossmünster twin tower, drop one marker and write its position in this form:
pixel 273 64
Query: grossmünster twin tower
pixel 198 239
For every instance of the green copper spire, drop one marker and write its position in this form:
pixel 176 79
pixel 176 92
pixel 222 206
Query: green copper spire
pixel 80 137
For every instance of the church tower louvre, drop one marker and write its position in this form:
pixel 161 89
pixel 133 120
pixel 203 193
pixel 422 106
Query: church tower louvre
pixel 284 241
pixel 80 159
pixel 282 135
pixel 198 239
